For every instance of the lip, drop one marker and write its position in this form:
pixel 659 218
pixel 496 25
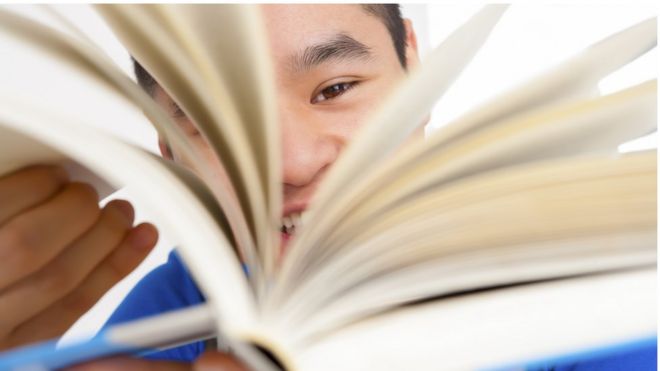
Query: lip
pixel 293 208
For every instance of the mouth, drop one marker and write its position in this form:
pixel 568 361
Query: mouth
pixel 291 223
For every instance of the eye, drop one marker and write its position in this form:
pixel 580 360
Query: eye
pixel 333 91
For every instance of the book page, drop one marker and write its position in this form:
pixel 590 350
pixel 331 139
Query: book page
pixel 198 227
pixel 19 151
pixel 591 127
pixel 527 222
pixel 248 74
pixel 500 327
pixel 88 62
pixel 171 44
pixel 575 79
pixel 390 126
pixel 579 128
pixel 572 79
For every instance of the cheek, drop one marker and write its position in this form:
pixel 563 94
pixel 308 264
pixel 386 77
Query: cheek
pixel 342 123
pixel 203 149
pixel 217 176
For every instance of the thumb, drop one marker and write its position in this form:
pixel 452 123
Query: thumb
pixel 130 364
pixel 216 361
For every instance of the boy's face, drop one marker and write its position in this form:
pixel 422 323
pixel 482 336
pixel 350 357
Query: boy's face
pixel 333 65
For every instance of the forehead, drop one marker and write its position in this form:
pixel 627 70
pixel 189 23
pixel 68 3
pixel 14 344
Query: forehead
pixel 292 27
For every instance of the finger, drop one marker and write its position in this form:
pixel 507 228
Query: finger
pixel 131 364
pixel 66 271
pixel 32 239
pixel 29 187
pixel 216 361
pixel 56 319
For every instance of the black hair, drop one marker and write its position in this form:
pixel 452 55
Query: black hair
pixel 144 78
pixel 389 14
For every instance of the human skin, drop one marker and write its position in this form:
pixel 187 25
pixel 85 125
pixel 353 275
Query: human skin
pixel 320 107
pixel 59 252
pixel 316 122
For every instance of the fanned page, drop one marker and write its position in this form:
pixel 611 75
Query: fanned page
pixel 390 126
pixel 576 128
pixel 575 79
pixel 88 62
pixel 19 151
pixel 563 217
pixel 384 230
pixel 489 331
pixel 407 264
pixel 91 64
pixel 68 138
pixel 50 136
pixel 336 205
pixel 253 94
pixel 175 49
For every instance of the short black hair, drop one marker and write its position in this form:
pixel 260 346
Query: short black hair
pixel 389 14
pixel 144 78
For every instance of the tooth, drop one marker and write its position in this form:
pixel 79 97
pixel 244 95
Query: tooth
pixel 287 222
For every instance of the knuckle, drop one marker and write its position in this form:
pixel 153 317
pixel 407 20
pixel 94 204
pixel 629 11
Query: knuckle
pixel 79 301
pixel 55 280
pixel 111 225
pixel 49 176
pixel 85 198
pixel 84 192
pixel 117 270
pixel 38 180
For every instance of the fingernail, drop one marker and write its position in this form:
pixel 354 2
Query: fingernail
pixel 143 237
pixel 125 208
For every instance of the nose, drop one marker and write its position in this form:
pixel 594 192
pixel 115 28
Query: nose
pixel 308 151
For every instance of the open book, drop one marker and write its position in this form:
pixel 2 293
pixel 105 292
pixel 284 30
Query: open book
pixel 518 219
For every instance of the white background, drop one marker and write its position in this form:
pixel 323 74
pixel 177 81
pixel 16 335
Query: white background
pixel 528 40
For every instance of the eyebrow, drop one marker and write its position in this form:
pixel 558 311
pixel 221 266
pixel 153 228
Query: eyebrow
pixel 339 47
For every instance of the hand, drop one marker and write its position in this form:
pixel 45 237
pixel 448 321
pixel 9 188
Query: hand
pixel 209 361
pixel 59 252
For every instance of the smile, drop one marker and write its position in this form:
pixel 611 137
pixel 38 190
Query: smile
pixel 292 222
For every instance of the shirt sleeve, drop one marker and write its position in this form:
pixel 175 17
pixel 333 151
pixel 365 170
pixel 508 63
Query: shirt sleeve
pixel 168 287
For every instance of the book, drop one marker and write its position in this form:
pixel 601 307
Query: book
pixel 517 219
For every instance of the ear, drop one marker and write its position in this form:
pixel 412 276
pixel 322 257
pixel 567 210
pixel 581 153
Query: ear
pixel 412 54
pixel 412 62
pixel 165 149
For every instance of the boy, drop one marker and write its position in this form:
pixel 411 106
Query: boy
pixel 333 64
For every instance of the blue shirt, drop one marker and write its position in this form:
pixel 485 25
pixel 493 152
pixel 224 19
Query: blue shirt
pixel 170 287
